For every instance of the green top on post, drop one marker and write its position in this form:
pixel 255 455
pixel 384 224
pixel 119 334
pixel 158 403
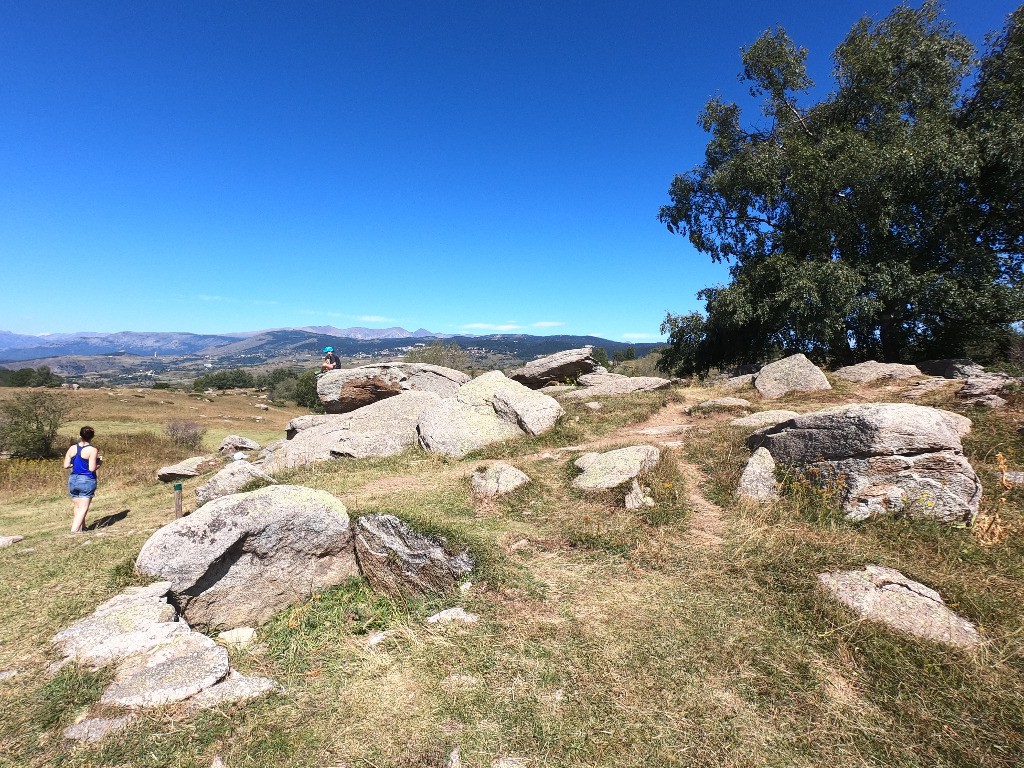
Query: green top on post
pixel 177 486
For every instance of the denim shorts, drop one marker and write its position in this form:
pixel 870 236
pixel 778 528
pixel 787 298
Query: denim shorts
pixel 81 486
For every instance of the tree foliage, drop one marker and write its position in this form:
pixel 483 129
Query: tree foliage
pixel 29 422
pixel 450 355
pixel 236 378
pixel 30 377
pixel 883 222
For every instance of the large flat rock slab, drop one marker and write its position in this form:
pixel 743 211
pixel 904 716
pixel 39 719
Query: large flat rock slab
pixel 615 385
pixel 231 479
pixel 885 595
pixel 347 389
pixel 239 559
pixel 498 479
pixel 558 368
pixel 384 428
pixel 603 471
pixel 871 370
pixel 187 469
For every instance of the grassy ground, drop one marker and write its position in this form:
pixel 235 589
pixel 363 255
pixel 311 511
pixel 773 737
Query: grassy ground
pixel 607 638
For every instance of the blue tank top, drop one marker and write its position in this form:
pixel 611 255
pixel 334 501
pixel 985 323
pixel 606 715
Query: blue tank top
pixel 80 465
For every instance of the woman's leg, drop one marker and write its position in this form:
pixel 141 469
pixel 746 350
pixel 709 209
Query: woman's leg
pixel 81 510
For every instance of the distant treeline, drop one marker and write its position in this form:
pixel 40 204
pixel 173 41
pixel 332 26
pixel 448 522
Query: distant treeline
pixel 282 384
pixel 30 377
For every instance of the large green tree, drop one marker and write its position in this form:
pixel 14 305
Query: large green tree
pixel 882 222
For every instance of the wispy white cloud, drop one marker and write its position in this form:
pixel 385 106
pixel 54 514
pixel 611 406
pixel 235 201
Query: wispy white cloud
pixel 375 319
pixel 547 324
pixel 209 297
pixel 640 336
pixel 492 326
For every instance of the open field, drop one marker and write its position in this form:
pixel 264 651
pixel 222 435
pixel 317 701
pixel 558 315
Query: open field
pixel 687 635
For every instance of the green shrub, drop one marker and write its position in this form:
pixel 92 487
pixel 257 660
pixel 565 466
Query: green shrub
pixel 305 392
pixel 236 378
pixel 185 433
pixel 29 422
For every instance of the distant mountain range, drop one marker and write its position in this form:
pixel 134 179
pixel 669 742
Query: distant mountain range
pixel 258 347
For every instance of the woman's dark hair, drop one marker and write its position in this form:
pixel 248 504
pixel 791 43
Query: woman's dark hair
pixel 87 434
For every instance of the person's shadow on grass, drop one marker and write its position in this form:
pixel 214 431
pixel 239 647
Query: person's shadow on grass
pixel 108 520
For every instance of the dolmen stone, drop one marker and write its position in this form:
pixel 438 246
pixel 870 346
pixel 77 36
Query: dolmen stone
pixel 239 559
pixel 489 409
pixel 757 483
pixel 168 673
pixel 887 458
pixel 498 479
pixel 187 469
pixel 398 561
pixel 885 595
pixel 871 370
pixel 383 428
pixel 347 389
pixel 614 384
pixel 235 443
pixel 231 479
pixel 790 374
pixel 6 541
pixel 558 368
pixel 764 419
pixel 138 619
pixel 951 368
pixel 603 471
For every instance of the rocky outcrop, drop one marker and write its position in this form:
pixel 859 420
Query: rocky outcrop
pixel 489 409
pixel 381 429
pixel 757 483
pixel 866 372
pixel 187 469
pixel 603 471
pixel 614 384
pixel 791 374
pixel 764 419
pixel 558 368
pixel 985 389
pixel 498 479
pixel 231 479
pixel 239 559
pixel 345 390
pixel 952 368
pixel 885 458
pixel 397 560
pixel 235 443
pixel 885 595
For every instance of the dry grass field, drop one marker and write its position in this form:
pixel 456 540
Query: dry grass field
pixel 691 634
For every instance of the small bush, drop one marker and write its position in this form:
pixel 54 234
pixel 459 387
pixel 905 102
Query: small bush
pixel 29 422
pixel 185 433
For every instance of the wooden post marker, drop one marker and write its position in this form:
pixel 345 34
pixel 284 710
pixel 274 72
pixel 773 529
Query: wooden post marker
pixel 177 500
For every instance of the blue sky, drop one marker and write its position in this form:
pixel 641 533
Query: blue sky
pixel 460 166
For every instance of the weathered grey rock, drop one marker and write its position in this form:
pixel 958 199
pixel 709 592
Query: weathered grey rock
pixel 594 405
pixel 757 483
pixel 738 382
pixel 1015 479
pixel 453 428
pixel 6 541
pixel 791 374
pixel 453 615
pixel 7 674
pixel 397 560
pixel 498 479
pixel 168 673
pixel 138 619
pixel 187 469
pixel 637 497
pixel 922 388
pixel 721 403
pixel 383 428
pixel 486 410
pixel 235 443
pixel 308 421
pixel 602 471
pixel 888 458
pixel 345 390
pixel 231 479
pixel 239 637
pixel 871 370
pixel 885 595
pixel 533 412
pixel 239 559
pixel 951 368
pixel 985 384
pixel 236 688
pixel 663 429
pixel 614 384
pixel 557 368
pixel 94 729
pixel 987 401
pixel 764 419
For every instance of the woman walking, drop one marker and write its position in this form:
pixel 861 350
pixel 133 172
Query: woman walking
pixel 82 459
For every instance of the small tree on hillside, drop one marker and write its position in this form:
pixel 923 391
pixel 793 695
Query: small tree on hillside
pixel 29 422
pixel 448 355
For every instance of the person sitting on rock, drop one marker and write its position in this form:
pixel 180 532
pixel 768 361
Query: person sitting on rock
pixel 331 360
